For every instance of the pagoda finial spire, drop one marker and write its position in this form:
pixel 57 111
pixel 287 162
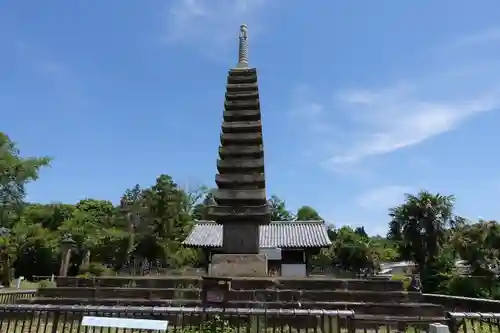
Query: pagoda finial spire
pixel 243 47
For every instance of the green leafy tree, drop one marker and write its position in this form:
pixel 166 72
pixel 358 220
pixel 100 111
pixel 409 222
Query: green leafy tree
pixel 307 213
pixel 15 172
pixel 478 245
pixel 419 228
pixel 352 251
pixel 279 212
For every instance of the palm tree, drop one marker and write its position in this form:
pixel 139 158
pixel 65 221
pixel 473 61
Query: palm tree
pixel 419 226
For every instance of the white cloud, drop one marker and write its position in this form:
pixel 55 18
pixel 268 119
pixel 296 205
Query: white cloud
pixel 212 23
pixel 383 198
pixel 413 110
pixel 401 121
pixel 481 37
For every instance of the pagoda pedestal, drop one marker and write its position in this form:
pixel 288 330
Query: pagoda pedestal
pixel 238 265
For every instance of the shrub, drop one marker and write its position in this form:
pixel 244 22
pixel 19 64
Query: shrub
pixel 406 280
pixel 46 284
pixel 95 269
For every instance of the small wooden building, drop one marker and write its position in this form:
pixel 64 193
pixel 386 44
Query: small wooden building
pixel 288 245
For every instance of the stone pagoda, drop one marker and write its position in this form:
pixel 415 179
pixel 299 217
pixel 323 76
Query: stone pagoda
pixel 241 203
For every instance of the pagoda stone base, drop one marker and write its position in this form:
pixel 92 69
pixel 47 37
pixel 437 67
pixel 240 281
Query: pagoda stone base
pixel 240 237
pixel 238 265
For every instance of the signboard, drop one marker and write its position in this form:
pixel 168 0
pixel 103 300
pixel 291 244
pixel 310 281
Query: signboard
pixel 141 324
pixel 271 253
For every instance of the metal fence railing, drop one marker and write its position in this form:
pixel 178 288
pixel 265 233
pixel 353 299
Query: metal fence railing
pixel 20 318
pixel 463 304
pixel 473 322
pixel 67 319
pixel 12 296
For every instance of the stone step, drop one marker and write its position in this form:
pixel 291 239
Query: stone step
pixel 316 284
pixel 237 283
pixel 242 115
pixel 250 197
pixel 106 292
pixel 326 296
pixel 243 213
pixel 242 95
pixel 242 87
pixel 236 180
pixel 240 165
pixel 240 295
pixel 368 308
pixel 254 126
pixel 241 138
pixel 245 104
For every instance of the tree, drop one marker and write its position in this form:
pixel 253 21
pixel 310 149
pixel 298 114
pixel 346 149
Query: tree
pixel 478 245
pixel 419 228
pixel 352 251
pixel 37 252
pixel 361 232
pixel 200 208
pixel 278 210
pixel 50 216
pixel 307 213
pixel 166 223
pixel 15 173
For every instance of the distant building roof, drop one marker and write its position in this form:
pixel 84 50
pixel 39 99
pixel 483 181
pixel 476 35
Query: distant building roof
pixel 289 234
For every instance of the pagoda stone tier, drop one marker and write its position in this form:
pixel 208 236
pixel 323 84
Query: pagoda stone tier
pixel 241 203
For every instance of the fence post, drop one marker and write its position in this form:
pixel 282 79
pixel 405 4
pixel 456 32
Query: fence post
pixel 452 323
pixel 351 324
pixel 55 322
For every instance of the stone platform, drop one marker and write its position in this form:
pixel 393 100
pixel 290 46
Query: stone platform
pixel 367 297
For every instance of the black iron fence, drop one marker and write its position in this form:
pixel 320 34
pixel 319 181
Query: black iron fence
pixel 12 296
pixel 62 319
pixel 19 318
pixel 473 322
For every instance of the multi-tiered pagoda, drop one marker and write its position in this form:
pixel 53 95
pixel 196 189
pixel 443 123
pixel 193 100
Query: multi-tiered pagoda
pixel 240 220
pixel 241 195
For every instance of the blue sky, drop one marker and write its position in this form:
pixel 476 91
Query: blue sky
pixel 362 101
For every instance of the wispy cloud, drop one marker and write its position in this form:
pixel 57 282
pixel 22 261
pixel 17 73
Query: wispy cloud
pixel 414 109
pixel 210 24
pixel 484 36
pixel 57 74
pixel 383 197
pixel 399 120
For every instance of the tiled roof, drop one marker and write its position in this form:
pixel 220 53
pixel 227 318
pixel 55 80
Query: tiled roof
pixel 276 234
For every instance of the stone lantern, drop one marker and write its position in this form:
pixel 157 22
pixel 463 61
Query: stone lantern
pixel 67 244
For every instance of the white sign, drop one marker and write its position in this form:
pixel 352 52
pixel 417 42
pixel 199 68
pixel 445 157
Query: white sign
pixel 293 270
pixel 142 324
pixel 438 328
pixel 272 253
